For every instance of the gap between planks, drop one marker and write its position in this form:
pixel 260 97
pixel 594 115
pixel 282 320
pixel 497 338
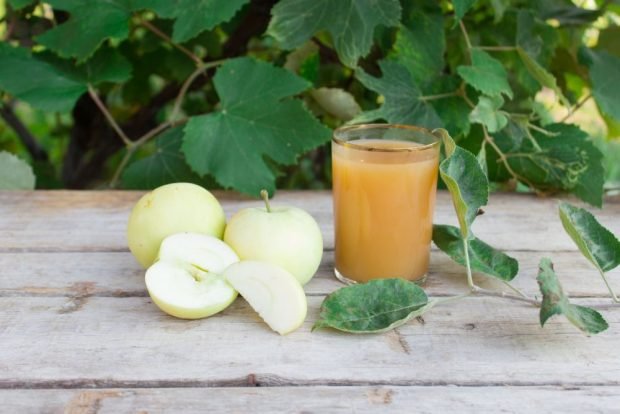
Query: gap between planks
pixel 272 381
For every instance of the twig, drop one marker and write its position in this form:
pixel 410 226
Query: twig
pixel 155 30
pixel 30 142
pixel 574 109
pixel 611 291
pixel 108 116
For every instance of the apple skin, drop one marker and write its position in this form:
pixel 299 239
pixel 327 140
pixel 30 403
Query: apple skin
pixel 170 209
pixel 285 236
pixel 187 281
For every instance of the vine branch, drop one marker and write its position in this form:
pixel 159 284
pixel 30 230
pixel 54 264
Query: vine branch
pixel 157 32
pixel 108 116
pixel 30 142
pixel 572 110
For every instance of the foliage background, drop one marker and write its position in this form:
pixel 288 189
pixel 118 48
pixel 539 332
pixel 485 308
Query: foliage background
pixel 242 94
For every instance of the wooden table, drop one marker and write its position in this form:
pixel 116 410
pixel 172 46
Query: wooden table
pixel 79 333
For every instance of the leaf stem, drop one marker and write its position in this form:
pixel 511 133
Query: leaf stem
pixel 108 116
pixel 265 196
pixel 515 289
pixel 467 41
pixel 470 279
pixel 155 30
pixel 611 291
pixel 478 291
pixel 497 48
pixel 542 130
pixel 439 96
pixel 121 166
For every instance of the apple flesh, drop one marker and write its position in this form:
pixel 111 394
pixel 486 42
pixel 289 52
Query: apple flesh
pixel 186 281
pixel 271 291
pixel 285 236
pixel 170 209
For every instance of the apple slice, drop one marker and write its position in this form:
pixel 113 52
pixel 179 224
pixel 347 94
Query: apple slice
pixel 186 281
pixel 273 292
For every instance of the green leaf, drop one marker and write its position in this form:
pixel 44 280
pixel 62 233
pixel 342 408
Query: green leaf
pixel 19 4
pixel 488 114
pixel 89 24
pixel 39 83
pixel 15 174
pixel 420 46
pixel 465 180
pixel 351 23
pixel 402 97
pixel 595 242
pixel 373 307
pixel 461 7
pixel 166 165
pixel 483 258
pixel 605 72
pixel 555 302
pixel 541 75
pixel 107 65
pixel 257 119
pixel 568 160
pixel 486 74
pixel 192 16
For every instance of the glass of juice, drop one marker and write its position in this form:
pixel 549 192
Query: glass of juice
pixel 384 182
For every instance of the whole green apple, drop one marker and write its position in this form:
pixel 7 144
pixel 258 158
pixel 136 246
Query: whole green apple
pixel 170 209
pixel 285 236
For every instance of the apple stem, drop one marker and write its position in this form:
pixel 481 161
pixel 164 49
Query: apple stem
pixel 265 196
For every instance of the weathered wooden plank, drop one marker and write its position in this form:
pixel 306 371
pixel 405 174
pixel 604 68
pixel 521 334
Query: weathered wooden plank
pixel 117 274
pixel 315 400
pixel 128 342
pixel 96 221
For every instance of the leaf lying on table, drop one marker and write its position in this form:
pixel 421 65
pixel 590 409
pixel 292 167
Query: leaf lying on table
pixel 595 242
pixel 373 307
pixel 465 180
pixel 483 258
pixel 555 302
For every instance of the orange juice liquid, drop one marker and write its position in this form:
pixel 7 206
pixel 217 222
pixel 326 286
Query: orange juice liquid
pixel 383 209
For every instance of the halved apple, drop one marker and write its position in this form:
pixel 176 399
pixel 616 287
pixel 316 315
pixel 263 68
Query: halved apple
pixel 273 292
pixel 186 281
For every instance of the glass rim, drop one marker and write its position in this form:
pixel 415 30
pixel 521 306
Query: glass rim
pixel 345 143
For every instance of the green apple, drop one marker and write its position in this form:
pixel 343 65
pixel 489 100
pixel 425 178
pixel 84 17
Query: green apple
pixel 186 281
pixel 285 236
pixel 273 292
pixel 170 209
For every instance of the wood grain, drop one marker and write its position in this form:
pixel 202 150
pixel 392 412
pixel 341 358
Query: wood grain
pixel 321 399
pixel 121 342
pixel 96 221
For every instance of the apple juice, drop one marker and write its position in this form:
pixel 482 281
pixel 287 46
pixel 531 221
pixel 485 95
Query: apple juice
pixel 384 197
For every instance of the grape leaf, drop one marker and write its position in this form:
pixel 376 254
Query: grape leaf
pixel 488 114
pixel 15 174
pixel 402 104
pixel 483 258
pixel 37 82
pixel 605 71
pixel 373 307
pixel 555 302
pixel 465 180
pixel 351 23
pixel 420 46
pixel 541 75
pixel 256 119
pixel 90 23
pixel 595 242
pixel 486 74
pixel 166 165
pixel 461 7
pixel 568 160
pixel 192 16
